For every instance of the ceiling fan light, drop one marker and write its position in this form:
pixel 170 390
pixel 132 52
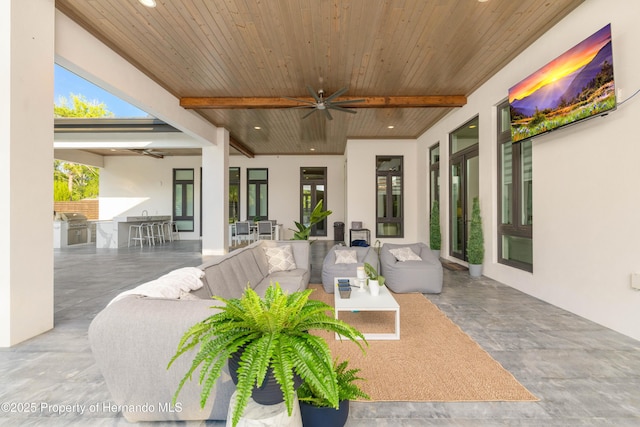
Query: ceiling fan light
pixel 148 3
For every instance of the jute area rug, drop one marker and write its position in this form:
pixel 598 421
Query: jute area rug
pixel 434 360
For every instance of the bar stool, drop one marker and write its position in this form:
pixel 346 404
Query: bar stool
pixel 136 234
pixel 159 231
pixel 148 233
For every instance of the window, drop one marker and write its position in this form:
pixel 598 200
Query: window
pixel 257 194
pixel 234 194
pixel 434 171
pixel 389 200
pixel 515 183
pixel 313 188
pixel 183 193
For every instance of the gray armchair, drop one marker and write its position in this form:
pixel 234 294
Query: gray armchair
pixel 423 276
pixel 331 270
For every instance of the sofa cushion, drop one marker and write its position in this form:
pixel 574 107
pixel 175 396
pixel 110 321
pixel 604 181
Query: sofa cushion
pixel 280 258
pixel 229 275
pixel 405 254
pixel 290 281
pixel 346 256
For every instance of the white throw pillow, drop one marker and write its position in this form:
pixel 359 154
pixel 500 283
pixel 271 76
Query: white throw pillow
pixel 344 256
pixel 280 258
pixel 405 254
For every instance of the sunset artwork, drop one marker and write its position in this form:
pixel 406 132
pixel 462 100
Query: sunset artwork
pixel 574 86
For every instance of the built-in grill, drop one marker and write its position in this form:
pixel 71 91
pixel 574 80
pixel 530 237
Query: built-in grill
pixel 71 225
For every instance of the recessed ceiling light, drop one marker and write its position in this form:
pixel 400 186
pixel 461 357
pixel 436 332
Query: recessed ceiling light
pixel 483 1
pixel 257 127
pixel 312 149
pixel 390 127
pixel 472 126
pixel 148 3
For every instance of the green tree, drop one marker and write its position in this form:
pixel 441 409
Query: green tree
pixel 72 181
pixel 80 107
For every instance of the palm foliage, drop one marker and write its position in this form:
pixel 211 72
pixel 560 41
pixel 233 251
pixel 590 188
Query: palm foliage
pixel 271 333
pixel 303 231
pixel 347 389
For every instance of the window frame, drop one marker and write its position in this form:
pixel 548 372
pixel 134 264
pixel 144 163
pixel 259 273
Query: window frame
pixel 237 183
pixel 184 184
pixel 315 232
pixel 517 228
pixel 388 218
pixel 257 183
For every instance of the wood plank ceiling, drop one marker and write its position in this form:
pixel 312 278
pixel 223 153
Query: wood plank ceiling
pixel 275 48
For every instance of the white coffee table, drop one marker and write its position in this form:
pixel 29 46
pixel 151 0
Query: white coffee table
pixel 364 301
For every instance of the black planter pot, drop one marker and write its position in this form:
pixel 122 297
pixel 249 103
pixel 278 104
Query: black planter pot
pixel 315 416
pixel 269 392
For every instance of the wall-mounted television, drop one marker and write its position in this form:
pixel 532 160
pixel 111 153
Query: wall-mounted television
pixel 575 86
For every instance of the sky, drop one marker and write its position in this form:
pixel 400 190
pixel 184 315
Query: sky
pixel 67 83
pixel 565 64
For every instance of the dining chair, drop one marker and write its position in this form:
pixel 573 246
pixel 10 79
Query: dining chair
pixel 243 232
pixel 265 230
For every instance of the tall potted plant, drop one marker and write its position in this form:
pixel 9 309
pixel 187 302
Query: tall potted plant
pixel 475 243
pixel 435 237
pixel 267 343
pixel 317 411
pixel 303 231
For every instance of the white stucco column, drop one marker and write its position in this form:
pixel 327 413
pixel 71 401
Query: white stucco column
pixel 26 165
pixel 215 195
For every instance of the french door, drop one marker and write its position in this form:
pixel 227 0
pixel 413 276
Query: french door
pixel 464 187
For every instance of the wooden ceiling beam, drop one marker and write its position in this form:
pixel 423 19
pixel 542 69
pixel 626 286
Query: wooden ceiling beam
pixel 230 103
pixel 243 149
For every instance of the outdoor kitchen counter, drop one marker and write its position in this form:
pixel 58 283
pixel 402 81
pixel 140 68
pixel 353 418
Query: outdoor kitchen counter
pixel 115 233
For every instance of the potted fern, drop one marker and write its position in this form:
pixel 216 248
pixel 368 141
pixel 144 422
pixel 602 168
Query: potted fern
pixel 475 243
pixel 317 411
pixel 435 237
pixel 267 343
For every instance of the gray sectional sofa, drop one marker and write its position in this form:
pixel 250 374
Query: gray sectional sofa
pixel 134 338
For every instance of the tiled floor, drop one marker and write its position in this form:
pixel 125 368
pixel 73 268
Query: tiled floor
pixel 584 374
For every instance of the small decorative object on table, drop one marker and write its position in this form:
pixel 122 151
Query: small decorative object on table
pixel 344 287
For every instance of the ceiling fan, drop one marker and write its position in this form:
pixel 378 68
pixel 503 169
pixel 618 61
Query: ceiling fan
pixel 320 103
pixel 149 152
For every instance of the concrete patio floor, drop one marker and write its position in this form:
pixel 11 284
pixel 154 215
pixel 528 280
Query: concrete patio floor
pixel 583 374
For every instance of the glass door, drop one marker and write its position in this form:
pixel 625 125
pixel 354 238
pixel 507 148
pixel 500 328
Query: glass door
pixel 464 188
pixel 464 185
pixel 313 183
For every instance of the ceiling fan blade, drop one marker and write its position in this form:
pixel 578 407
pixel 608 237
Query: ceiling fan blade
pixel 348 101
pixel 311 104
pixel 328 114
pixel 338 108
pixel 314 94
pixel 310 113
pixel 336 94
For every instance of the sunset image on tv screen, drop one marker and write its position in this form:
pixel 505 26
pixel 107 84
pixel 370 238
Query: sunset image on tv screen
pixel 576 85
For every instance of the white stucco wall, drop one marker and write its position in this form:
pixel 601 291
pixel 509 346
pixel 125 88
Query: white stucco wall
pixel 284 187
pixel 361 185
pixel 131 184
pixel 585 233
